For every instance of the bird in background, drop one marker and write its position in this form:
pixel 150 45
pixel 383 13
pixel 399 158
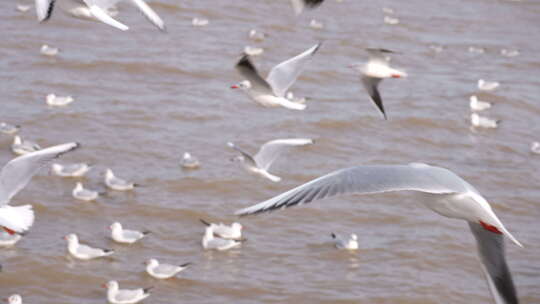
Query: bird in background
pixel 350 243
pixel 100 10
pixel 268 153
pixel 299 5
pixel 374 71
pixel 270 92
pixel 115 295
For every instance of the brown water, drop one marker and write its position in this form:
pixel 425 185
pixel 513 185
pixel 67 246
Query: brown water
pixel 143 98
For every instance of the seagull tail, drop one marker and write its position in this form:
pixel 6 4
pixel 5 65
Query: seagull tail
pixel 146 232
pixel 186 264
pixel 147 289
pixel 18 219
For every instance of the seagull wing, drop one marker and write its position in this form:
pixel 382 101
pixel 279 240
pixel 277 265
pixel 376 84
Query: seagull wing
pixel 44 9
pixel 18 172
pixel 298 5
pixel 371 84
pixel 271 150
pixel 248 70
pixel 98 8
pixel 367 180
pixel 492 257
pixel 246 155
pixel 149 13
pixel 283 75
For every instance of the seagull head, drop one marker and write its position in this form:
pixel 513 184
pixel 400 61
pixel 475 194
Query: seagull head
pixel 354 237
pixel 71 238
pixel 151 262
pixel 237 226
pixel 115 226
pixel 243 85
pixel 110 285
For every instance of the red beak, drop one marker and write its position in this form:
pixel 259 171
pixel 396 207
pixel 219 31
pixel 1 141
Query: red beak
pixel 396 76
pixel 104 285
pixel 234 86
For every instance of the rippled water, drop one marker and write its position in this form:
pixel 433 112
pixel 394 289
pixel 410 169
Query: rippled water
pixel 144 97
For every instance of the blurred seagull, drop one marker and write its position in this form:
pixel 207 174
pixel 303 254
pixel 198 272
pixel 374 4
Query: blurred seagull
pixel 374 71
pixel 9 129
pixel 100 10
pixel 299 5
pixel 71 170
pixel 256 35
pixel 14 176
pixel 440 190
pixel 49 51
pixel 290 96
pixel 253 51
pixel 189 162
pixel 268 153
pixel 199 22
pixel 487 85
pixel 58 101
pixel 14 299
pixel 125 236
pixel 478 105
pixel 23 8
pixel 210 242
pixel 116 183
pixel 22 147
pixel 163 271
pixel 483 122
pixel 84 252
pixel 232 232
pixel 314 24
pixel 271 92
pixel 9 240
pixel 535 147
pixel 125 296
pixel 80 193
pixel 350 244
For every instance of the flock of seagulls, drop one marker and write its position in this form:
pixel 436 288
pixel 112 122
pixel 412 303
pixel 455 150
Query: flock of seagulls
pixel 440 189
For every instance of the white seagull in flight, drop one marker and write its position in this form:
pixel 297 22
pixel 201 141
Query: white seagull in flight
pixel 374 71
pixel 99 9
pixel 15 176
pixel 268 153
pixel 270 92
pixel 442 191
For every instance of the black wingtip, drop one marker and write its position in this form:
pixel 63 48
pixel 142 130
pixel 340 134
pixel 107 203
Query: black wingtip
pixel 205 222
pixel 146 232
pixel 147 289
pixel 108 250
pixel 186 264
pixel 333 235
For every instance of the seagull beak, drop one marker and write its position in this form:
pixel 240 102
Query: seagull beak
pixel 234 86
pixel 104 285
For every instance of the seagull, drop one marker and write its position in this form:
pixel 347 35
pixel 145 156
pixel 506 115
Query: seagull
pixel 14 176
pixel 9 129
pixel 199 22
pixel 189 162
pixel 49 51
pixel 100 10
pixel 216 243
pixel 535 147
pixel 253 51
pixel 23 8
pixel 84 252
pixel 350 244
pixel 80 193
pixel 268 153
pixel 116 183
pixel 58 101
pixel 290 96
pixel 9 240
pixel 487 85
pixel 232 232
pixel 299 5
pixel 256 35
pixel 22 147
pixel 478 105
pixel 71 170
pixel 510 52
pixel 483 122
pixel 391 20
pixel 125 296
pixel 374 71
pixel 163 271
pixel 271 92
pixel 14 299
pixel 441 190
pixel 314 24
pixel 120 235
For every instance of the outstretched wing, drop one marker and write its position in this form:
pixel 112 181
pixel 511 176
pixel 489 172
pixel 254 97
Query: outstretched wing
pixel 283 75
pixel 492 257
pixel 271 150
pixel 371 85
pixel 149 13
pixel 366 180
pixel 99 8
pixel 17 173
pixel 44 9
pixel 248 70
pixel 246 155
